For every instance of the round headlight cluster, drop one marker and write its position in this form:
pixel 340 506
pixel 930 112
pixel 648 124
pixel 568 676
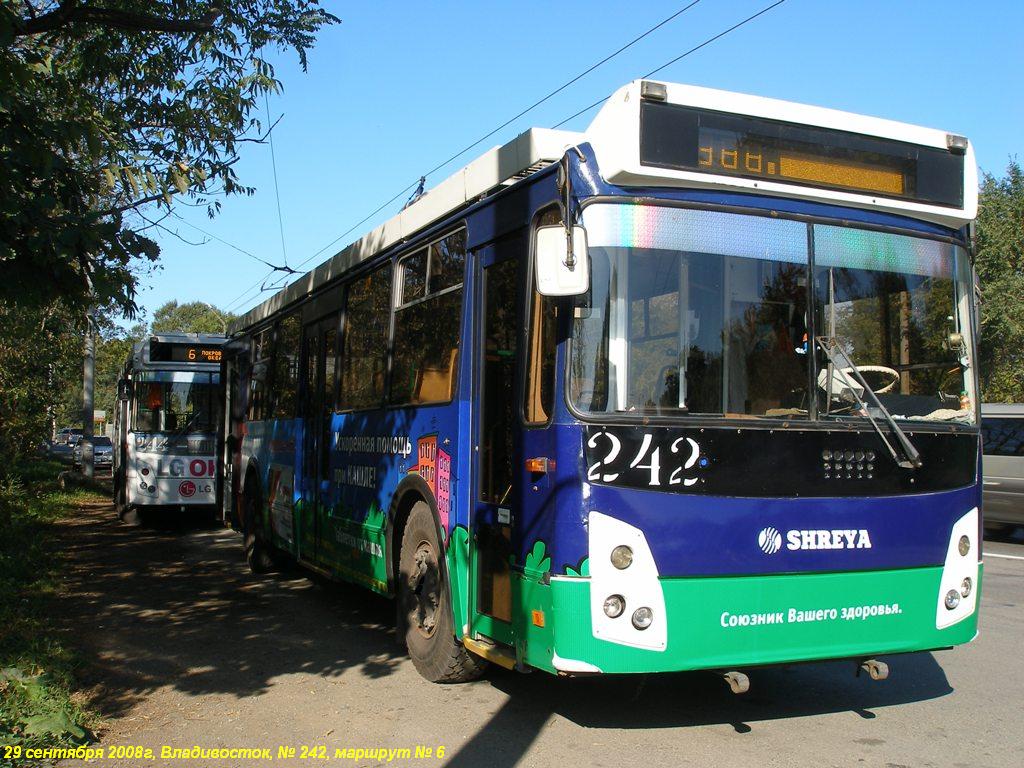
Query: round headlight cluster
pixel 642 618
pixel 622 557
pixel 952 599
pixel 966 586
pixel 964 546
pixel 614 605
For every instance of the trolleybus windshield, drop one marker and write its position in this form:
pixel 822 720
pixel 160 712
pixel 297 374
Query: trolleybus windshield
pixel 706 312
pixel 175 402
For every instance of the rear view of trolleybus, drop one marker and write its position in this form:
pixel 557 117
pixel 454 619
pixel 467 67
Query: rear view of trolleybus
pixel 167 425
pixel 692 389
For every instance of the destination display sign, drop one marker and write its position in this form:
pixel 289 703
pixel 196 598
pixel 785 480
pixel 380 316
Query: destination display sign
pixel 685 138
pixel 176 352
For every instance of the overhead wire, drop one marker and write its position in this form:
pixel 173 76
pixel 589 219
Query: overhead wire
pixel 277 188
pixel 262 283
pixel 464 150
pixel 229 244
pixel 696 48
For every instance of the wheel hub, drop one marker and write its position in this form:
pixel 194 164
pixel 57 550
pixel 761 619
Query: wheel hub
pixel 424 585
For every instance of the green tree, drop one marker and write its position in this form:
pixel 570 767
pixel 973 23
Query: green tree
pixel 191 317
pixel 109 109
pixel 37 348
pixel 111 347
pixel 1000 266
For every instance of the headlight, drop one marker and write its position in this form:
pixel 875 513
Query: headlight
pixel 622 557
pixel 642 618
pixel 952 599
pixel 964 546
pixel 965 586
pixel 614 605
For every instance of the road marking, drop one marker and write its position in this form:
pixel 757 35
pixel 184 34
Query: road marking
pixel 1005 557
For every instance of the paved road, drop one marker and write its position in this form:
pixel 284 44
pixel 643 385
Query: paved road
pixel 190 649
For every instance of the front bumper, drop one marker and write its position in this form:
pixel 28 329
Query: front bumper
pixel 730 622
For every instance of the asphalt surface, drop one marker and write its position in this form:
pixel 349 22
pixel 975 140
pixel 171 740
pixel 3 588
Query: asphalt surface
pixel 187 648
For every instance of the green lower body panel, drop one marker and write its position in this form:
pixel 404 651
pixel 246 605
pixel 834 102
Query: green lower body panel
pixel 729 622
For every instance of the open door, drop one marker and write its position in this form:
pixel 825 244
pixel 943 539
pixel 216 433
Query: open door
pixel 496 492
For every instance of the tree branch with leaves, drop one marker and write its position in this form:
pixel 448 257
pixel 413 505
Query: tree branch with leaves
pixel 110 107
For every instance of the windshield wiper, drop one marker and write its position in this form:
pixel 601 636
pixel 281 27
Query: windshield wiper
pixel 842 364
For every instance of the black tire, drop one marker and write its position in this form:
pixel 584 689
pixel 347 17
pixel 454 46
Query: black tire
pixel 257 552
pixel 118 486
pixel 424 605
pixel 128 514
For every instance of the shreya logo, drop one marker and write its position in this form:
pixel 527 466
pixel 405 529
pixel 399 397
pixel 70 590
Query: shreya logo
pixel 770 540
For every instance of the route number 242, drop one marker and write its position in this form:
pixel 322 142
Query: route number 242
pixel 686 448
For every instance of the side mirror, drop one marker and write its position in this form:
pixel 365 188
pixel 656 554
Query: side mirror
pixel 124 390
pixel 557 274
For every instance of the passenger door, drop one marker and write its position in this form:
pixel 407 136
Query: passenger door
pixel 496 491
pixel 320 341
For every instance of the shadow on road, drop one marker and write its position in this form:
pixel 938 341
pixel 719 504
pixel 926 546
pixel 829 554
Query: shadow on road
pixel 691 699
pixel 176 606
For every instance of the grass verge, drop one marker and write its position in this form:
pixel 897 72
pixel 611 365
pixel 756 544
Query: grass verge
pixel 38 704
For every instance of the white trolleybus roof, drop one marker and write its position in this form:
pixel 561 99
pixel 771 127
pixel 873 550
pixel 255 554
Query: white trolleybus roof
pixel 615 137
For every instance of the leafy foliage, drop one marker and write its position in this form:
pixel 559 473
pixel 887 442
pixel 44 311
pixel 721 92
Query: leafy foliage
pixel 36 669
pixel 37 348
pixel 111 346
pixel 111 108
pixel 191 317
pixel 1000 266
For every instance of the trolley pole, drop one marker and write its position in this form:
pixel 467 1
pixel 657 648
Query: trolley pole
pixel 88 375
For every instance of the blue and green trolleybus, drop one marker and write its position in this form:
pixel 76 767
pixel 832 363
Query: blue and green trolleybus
pixel 693 389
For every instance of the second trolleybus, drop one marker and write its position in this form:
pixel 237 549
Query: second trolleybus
pixel 167 426
pixel 693 389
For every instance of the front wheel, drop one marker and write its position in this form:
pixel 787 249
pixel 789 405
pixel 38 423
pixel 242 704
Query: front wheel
pixel 127 514
pixel 424 605
pixel 257 551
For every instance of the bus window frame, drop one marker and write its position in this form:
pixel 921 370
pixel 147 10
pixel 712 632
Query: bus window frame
pixel 395 262
pixel 371 267
pixel 768 422
pixel 531 295
pixel 397 305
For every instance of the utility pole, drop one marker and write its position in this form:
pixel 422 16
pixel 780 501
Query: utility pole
pixel 88 376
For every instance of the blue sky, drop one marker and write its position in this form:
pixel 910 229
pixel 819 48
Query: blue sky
pixel 398 87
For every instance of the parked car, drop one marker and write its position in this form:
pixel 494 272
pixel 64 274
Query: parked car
pixel 1002 431
pixel 102 451
pixel 65 434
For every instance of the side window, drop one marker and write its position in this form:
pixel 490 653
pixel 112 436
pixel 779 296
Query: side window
pixel 1002 436
pixel 330 364
pixel 258 376
pixel 539 394
pixel 427 321
pixel 286 368
pixel 364 353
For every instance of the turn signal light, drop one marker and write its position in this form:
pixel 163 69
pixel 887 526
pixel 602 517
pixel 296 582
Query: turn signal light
pixel 540 465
